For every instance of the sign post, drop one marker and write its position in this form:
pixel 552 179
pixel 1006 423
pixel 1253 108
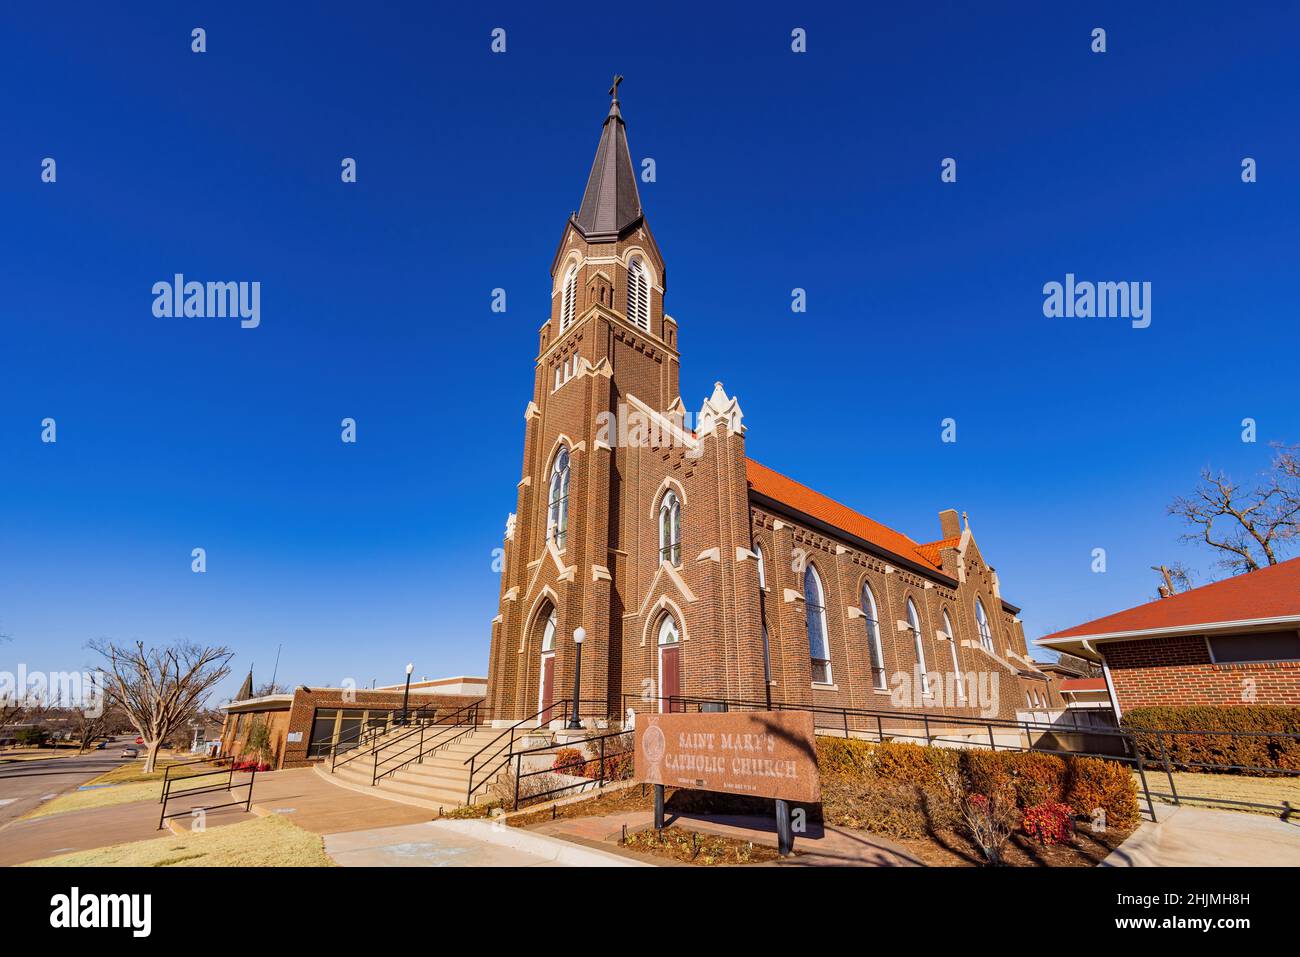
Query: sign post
pixel 768 754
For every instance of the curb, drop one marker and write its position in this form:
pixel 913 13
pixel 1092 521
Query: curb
pixel 540 845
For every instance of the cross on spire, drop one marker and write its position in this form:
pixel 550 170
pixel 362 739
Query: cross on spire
pixel 613 90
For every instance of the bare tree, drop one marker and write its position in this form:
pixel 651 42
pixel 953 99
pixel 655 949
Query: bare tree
pixel 160 689
pixel 1249 527
pixel 1172 580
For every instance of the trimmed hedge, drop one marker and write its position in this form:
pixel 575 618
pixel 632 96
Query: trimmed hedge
pixel 1188 750
pixel 907 790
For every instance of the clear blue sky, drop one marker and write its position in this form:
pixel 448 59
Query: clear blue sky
pixel 775 170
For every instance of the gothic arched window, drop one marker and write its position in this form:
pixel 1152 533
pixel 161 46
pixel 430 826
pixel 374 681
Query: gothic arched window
pixel 872 619
pixel 818 650
pixel 638 294
pixel 548 633
pixel 762 572
pixel 670 529
pixel 982 620
pixel 569 300
pixel 558 518
pixel 951 635
pixel 914 626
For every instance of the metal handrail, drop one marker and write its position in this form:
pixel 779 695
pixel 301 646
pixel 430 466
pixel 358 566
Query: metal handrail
pixel 229 786
pixel 419 717
pixel 562 707
pixel 466 719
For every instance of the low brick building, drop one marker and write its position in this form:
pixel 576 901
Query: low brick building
pixel 306 724
pixel 1233 642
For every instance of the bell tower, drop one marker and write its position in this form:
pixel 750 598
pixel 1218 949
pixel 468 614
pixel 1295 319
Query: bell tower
pixel 605 344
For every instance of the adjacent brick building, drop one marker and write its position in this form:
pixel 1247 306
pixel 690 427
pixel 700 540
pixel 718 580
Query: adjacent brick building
pixel 694 571
pixel 1233 642
pixel 304 725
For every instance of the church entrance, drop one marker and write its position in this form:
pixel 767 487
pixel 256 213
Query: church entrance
pixel 546 672
pixel 670 666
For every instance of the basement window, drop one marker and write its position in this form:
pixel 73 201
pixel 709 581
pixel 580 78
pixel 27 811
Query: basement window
pixel 1263 646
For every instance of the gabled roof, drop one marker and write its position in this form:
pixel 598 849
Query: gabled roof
pixel 1258 597
pixel 787 491
pixel 932 551
pixel 611 202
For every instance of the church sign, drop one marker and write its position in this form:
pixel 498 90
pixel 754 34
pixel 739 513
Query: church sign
pixel 767 754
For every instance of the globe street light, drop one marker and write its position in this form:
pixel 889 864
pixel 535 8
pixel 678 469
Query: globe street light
pixel 575 723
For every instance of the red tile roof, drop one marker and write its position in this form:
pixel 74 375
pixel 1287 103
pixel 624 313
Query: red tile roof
pixel 1083 684
pixel 931 551
pixel 1272 592
pixel 777 487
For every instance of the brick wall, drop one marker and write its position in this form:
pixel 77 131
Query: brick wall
pixel 1178 671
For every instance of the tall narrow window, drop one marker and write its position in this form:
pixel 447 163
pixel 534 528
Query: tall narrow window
pixel 638 294
pixel 818 649
pixel 558 520
pixel 914 626
pixel 982 620
pixel 569 300
pixel 951 636
pixel 762 572
pixel 548 633
pixel 670 529
pixel 874 654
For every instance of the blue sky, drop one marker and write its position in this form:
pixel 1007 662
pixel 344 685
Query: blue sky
pixel 775 171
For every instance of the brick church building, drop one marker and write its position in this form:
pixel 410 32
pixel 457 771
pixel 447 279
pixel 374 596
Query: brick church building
pixel 694 571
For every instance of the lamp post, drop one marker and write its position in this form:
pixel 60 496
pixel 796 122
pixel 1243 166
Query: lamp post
pixel 575 723
pixel 406 695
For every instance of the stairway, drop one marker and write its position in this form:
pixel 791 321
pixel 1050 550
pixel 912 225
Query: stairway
pixel 439 781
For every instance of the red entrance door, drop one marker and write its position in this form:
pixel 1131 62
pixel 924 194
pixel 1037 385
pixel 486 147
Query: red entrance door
pixel 670 678
pixel 547 689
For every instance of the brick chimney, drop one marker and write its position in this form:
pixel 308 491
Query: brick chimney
pixel 949 523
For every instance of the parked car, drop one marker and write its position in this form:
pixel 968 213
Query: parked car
pixel 130 752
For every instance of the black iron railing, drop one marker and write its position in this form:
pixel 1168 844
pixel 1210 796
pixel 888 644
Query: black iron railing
pixel 229 786
pixel 491 759
pixel 422 741
pixel 612 760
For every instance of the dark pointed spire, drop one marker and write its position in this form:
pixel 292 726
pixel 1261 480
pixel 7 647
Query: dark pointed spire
pixel 611 203
pixel 246 689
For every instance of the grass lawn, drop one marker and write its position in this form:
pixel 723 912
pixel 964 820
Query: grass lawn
pixel 1220 790
pixel 270 841
pixel 125 784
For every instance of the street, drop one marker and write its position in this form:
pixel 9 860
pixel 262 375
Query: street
pixel 25 784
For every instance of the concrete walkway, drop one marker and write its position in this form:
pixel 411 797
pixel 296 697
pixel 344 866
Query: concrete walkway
pixel 1200 837
pixel 471 843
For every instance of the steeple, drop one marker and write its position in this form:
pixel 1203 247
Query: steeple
pixel 246 689
pixel 611 203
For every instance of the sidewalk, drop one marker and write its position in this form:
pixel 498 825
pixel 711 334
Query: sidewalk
pixel 470 843
pixel 1198 837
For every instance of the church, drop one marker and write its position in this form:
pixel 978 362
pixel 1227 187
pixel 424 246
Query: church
pixel 690 573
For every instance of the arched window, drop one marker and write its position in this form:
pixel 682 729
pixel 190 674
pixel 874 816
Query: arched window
pixel 670 529
pixel 951 637
pixel 874 653
pixel 982 621
pixel 668 631
pixel 914 626
pixel 762 573
pixel 558 521
pixel 548 633
pixel 638 294
pixel 818 650
pixel 569 300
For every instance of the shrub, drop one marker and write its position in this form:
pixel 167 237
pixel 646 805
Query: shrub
pixel 1094 784
pixel 1049 822
pixel 1037 778
pixel 1188 750
pixel 618 762
pixel 989 819
pixel 570 761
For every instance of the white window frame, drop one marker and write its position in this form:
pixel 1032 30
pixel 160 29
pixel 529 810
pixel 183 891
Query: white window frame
pixel 762 573
pixel 871 614
pixel 557 507
pixel 984 625
pixel 952 646
pixel 569 297
pixel 820 606
pixel 914 625
pixel 670 529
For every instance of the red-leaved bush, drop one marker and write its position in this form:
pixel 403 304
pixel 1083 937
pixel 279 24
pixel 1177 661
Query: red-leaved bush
pixel 1050 822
